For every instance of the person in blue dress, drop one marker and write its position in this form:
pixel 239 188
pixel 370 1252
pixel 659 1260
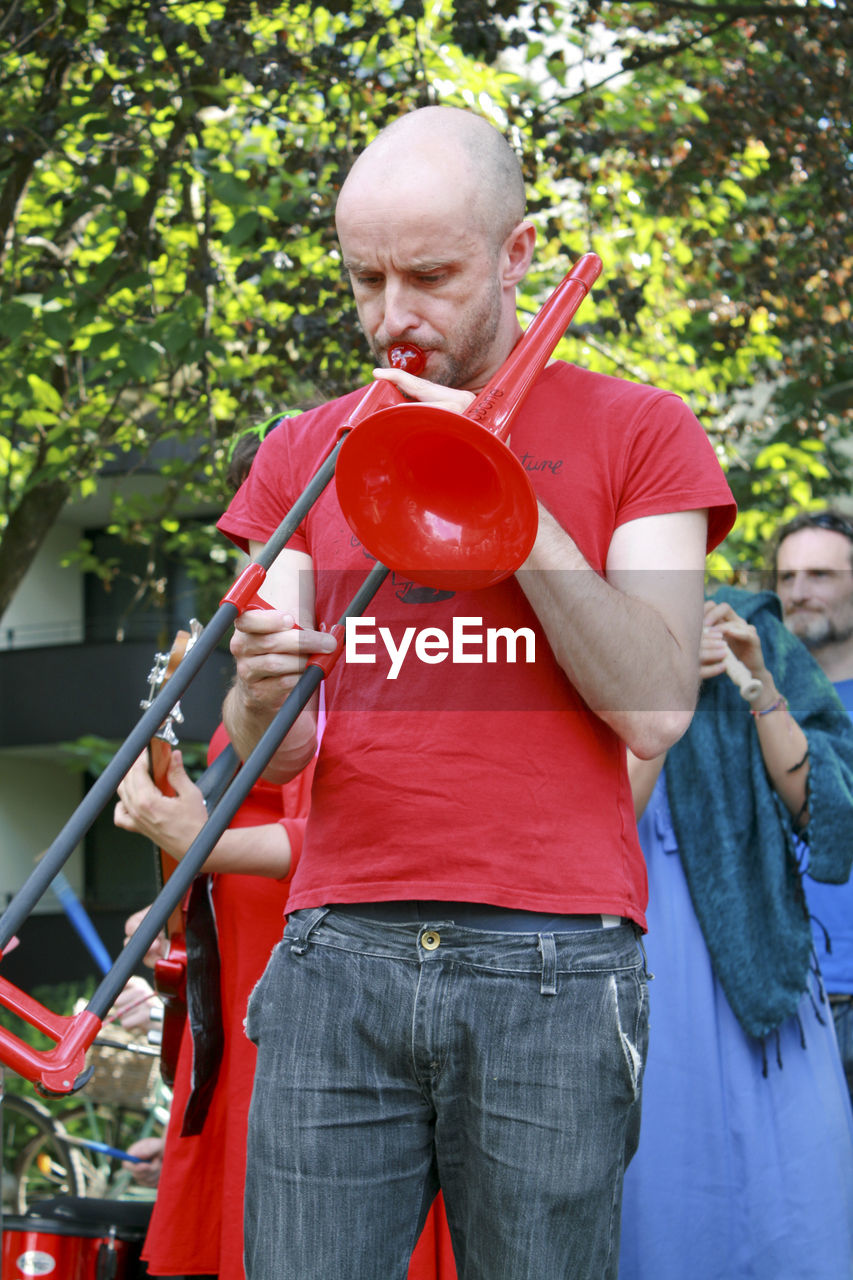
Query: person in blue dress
pixel 745 1164
pixel 813 577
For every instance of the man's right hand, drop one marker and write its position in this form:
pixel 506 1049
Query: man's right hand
pixel 271 649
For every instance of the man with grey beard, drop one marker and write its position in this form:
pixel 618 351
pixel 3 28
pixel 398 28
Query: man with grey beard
pixel 814 581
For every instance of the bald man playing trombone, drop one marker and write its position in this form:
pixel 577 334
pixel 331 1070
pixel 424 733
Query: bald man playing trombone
pixel 459 998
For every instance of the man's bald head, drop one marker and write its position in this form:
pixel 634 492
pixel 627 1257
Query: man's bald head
pixel 461 149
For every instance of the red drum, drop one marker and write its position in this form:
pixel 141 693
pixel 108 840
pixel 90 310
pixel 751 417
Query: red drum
pixel 63 1249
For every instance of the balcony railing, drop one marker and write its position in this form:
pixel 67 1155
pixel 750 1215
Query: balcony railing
pixel 37 635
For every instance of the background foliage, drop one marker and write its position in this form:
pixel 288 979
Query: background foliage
pixel 168 170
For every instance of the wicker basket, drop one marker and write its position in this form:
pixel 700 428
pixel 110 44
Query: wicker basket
pixel 126 1069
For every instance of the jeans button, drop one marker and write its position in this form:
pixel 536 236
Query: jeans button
pixel 430 940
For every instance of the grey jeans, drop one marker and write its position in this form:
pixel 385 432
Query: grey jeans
pixel 397 1058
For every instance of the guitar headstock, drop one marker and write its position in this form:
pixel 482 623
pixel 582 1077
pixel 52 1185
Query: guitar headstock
pixel 165 666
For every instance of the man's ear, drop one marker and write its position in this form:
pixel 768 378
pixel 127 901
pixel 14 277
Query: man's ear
pixel 517 253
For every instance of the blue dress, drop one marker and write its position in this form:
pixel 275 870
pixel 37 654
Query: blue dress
pixel 831 906
pixel 739 1175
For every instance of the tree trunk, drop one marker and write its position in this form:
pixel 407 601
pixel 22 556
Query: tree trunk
pixel 29 525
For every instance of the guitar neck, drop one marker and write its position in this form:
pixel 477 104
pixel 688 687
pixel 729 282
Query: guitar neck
pixel 160 753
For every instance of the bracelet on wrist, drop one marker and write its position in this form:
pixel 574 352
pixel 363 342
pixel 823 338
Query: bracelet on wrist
pixel 774 706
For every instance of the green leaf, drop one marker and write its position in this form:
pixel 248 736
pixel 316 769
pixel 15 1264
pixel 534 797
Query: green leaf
pixel 14 319
pixel 56 326
pixel 45 396
pixel 230 189
pixel 102 342
pixel 143 359
pixel 244 228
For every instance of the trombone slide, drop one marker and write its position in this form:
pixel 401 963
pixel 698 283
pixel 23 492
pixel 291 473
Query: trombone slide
pixel 477 557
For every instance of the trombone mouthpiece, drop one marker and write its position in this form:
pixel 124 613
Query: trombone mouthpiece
pixel 406 356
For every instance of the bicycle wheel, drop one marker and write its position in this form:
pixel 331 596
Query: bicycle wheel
pixel 37 1160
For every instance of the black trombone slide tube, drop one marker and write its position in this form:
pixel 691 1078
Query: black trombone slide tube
pixel 220 819
pixel 217 776
pixel 103 790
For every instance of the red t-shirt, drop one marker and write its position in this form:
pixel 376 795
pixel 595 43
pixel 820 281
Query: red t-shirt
pixel 484 781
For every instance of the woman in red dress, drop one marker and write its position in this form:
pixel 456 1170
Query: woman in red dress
pixel 196 1227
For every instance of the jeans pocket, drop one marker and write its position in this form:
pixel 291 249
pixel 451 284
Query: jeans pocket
pixel 631 994
pixel 253 1022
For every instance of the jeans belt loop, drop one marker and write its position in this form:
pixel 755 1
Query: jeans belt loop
pixel 304 929
pixel 548 951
